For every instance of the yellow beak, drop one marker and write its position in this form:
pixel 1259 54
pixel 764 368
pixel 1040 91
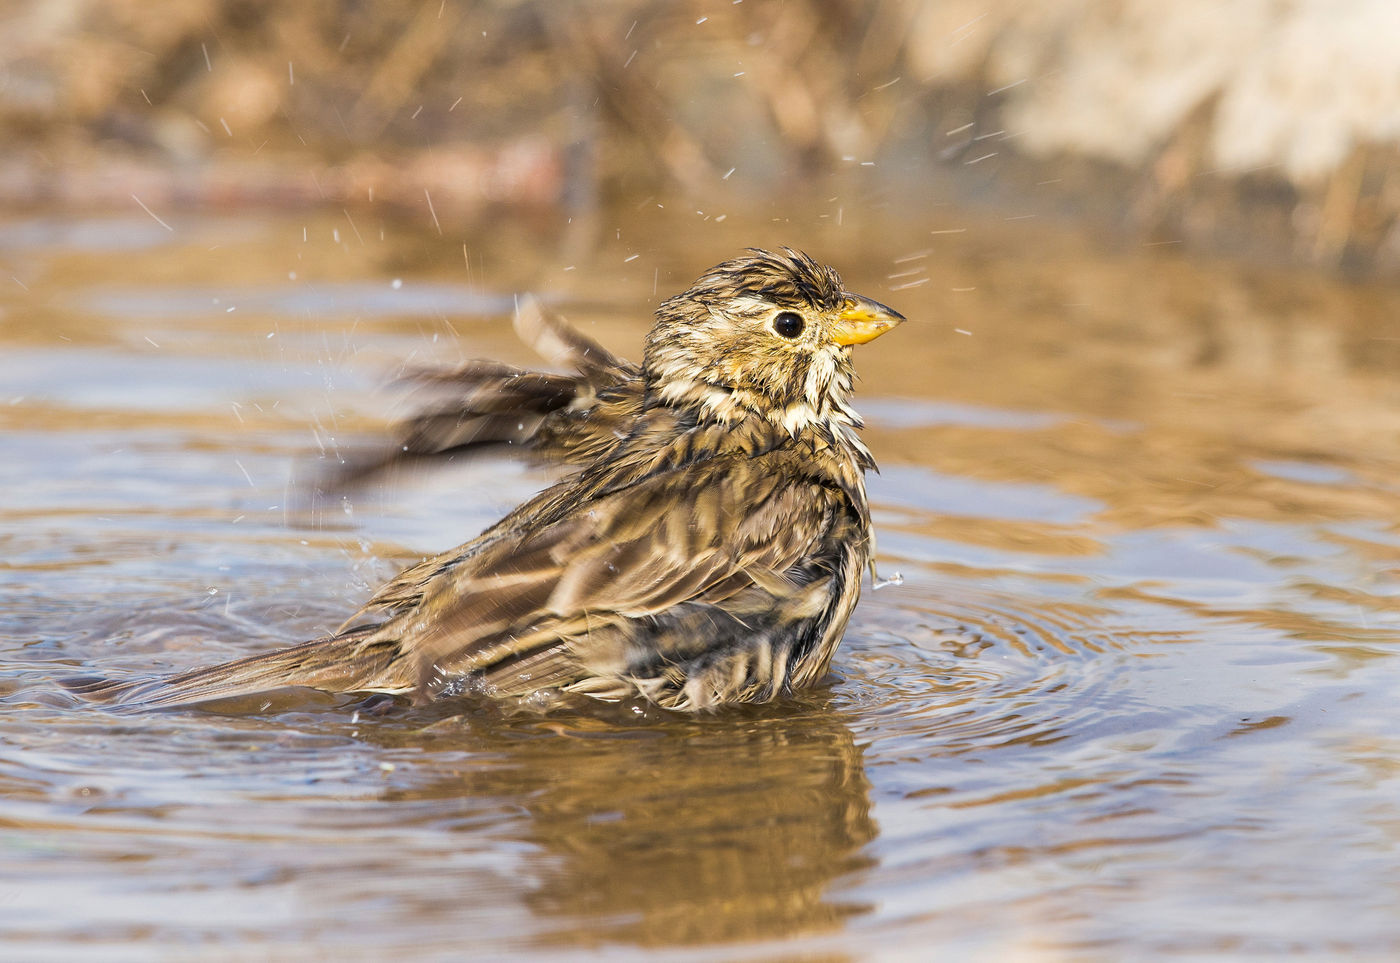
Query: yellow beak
pixel 862 320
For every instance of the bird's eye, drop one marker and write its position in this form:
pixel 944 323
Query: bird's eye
pixel 788 324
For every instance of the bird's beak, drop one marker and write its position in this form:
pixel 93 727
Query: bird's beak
pixel 862 320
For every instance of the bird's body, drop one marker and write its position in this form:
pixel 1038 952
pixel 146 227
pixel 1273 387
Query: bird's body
pixel 707 548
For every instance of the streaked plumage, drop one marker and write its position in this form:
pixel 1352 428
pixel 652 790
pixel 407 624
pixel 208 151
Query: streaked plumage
pixel 711 552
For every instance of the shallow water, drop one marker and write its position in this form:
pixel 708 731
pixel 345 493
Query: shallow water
pixel 1135 696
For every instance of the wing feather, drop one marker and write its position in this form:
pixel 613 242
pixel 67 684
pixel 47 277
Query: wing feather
pixel 706 533
pixel 569 418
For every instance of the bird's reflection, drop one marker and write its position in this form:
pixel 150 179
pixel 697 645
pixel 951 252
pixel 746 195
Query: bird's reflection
pixel 682 831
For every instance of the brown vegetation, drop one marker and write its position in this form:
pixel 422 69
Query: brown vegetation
pixel 1124 113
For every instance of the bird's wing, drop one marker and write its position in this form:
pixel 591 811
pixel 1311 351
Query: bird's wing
pixel 556 417
pixel 701 533
pixel 559 343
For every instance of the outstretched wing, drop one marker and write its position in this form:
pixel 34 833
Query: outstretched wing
pixel 564 417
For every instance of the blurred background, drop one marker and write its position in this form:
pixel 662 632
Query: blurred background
pixel 1264 129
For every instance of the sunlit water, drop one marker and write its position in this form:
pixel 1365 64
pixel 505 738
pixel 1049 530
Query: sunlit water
pixel 1135 696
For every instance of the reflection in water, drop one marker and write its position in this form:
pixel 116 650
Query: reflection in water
pixel 679 832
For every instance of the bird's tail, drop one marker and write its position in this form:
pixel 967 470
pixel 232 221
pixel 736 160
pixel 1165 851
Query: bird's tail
pixel 350 662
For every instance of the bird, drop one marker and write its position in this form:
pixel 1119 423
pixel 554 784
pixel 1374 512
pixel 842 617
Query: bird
pixel 706 548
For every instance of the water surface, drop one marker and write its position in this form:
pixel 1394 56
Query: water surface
pixel 1134 698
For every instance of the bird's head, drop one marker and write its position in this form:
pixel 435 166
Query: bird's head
pixel 765 333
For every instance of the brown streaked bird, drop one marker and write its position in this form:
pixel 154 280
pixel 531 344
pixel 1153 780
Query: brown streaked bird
pixel 712 554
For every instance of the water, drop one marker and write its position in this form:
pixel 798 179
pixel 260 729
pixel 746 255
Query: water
pixel 1134 697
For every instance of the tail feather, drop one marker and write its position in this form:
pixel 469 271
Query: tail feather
pixel 349 662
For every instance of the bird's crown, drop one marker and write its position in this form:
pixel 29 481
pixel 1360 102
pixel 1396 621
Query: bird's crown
pixel 789 279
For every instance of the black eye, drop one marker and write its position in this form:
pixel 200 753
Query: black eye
pixel 789 324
